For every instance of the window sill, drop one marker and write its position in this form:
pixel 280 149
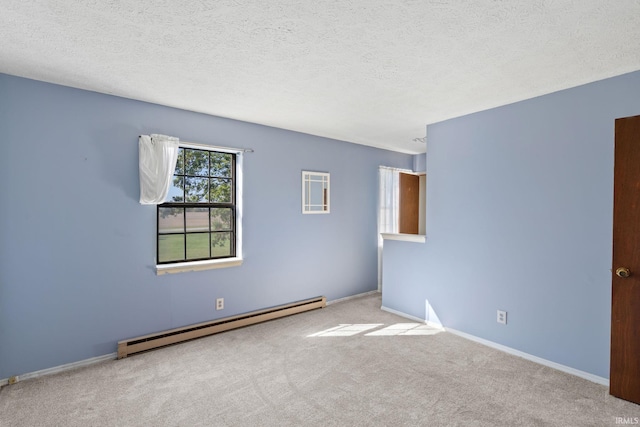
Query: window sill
pixel 183 267
pixel 417 238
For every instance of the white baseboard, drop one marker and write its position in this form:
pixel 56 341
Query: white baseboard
pixel 399 313
pixel 532 358
pixel 58 369
pixel 352 297
pixel 112 356
pixel 569 370
pixel 435 325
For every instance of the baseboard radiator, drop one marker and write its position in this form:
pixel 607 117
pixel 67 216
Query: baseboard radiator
pixel 173 336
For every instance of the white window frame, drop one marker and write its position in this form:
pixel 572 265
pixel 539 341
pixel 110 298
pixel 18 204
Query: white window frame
pixel 181 267
pixel 306 190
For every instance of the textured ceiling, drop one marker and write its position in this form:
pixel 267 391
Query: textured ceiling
pixel 365 71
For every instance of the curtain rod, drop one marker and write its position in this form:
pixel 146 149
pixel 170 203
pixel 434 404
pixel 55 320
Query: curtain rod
pixel 395 169
pixel 218 147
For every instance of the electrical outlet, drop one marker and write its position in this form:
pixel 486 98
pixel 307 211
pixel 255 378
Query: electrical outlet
pixel 220 304
pixel 502 317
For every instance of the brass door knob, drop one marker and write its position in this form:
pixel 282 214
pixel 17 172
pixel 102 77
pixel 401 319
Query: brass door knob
pixel 622 272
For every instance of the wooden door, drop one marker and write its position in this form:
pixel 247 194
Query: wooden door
pixel 625 300
pixel 409 203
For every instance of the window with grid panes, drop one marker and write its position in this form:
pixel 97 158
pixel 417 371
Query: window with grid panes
pixel 198 221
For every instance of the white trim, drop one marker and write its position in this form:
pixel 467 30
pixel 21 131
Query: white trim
pixel 182 267
pixel 239 206
pixel 569 370
pixel 306 190
pixel 401 314
pixel 539 360
pixel 417 238
pixel 61 368
pixel 209 264
pixel 364 294
pixel 434 325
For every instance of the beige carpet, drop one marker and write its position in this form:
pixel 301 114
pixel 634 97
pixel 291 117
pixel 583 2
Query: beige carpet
pixel 377 369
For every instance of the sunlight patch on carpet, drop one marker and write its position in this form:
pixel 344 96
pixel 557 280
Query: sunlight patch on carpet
pixel 351 329
pixel 346 330
pixel 405 329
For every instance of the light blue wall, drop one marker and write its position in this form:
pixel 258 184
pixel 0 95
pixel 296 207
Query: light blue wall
pixel 419 162
pixel 77 249
pixel 519 218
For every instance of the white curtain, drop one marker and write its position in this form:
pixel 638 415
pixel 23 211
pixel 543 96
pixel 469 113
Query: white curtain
pixel 158 156
pixel 388 209
pixel 389 200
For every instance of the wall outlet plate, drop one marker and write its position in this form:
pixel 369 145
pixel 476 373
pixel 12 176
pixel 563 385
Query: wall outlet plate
pixel 502 317
pixel 219 303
